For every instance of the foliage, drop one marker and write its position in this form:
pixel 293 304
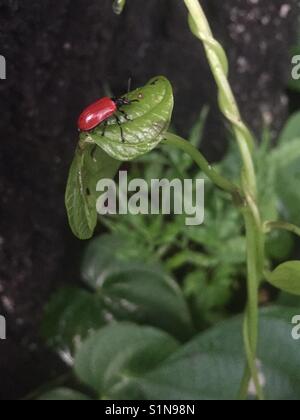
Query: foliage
pixel 99 153
pixel 129 362
pixel 151 286
pixel 126 283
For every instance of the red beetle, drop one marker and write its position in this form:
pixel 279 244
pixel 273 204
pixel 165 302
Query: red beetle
pixel 100 111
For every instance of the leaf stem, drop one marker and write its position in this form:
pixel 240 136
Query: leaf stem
pixel 196 155
pixel 269 226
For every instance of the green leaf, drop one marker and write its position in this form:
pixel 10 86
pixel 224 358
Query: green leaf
pixel 279 244
pixel 286 160
pixel 146 297
pixel 64 394
pixel 133 290
pixel 182 160
pixel 70 316
pixel 286 277
pixel 114 356
pixel 109 254
pixel 291 129
pixel 266 180
pixel 89 166
pixel 126 288
pixel 150 118
pixel 211 366
pixel 118 6
pixel 208 293
pixel 197 131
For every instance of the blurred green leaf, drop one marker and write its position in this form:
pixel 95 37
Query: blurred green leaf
pixel 118 6
pixel 211 366
pixel 70 316
pixel 279 244
pixel 149 119
pixel 148 298
pixel 286 277
pixel 286 160
pixel 222 222
pixel 231 164
pixel 133 290
pixel 193 258
pixel 109 254
pixel 125 288
pixel 183 160
pixel 111 358
pixel 209 292
pixel 196 134
pixel 290 131
pixel 89 166
pixel 64 394
pixel 127 362
pixel 266 181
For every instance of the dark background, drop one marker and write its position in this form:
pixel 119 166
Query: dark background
pixel 61 55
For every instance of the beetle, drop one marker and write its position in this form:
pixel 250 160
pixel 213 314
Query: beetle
pixel 99 112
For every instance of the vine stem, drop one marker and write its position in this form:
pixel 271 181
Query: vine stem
pixel 269 226
pixel 222 182
pixel 254 231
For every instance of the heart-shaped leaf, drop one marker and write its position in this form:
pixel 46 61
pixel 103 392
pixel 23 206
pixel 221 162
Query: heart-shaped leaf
pixel 111 357
pixel 148 118
pixel 211 366
pixel 133 289
pixel 126 362
pixel 90 165
pixel 127 288
pixel 286 277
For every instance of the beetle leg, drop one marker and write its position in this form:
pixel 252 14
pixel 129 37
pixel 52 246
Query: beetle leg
pixel 125 115
pixel 121 128
pixel 104 128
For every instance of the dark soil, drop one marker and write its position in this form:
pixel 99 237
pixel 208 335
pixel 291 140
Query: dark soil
pixel 60 56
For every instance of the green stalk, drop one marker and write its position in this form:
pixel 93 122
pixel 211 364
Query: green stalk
pixel 269 226
pixel 196 155
pixel 255 243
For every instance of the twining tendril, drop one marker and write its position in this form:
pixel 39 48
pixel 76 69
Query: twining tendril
pixel 255 246
pixel 219 65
